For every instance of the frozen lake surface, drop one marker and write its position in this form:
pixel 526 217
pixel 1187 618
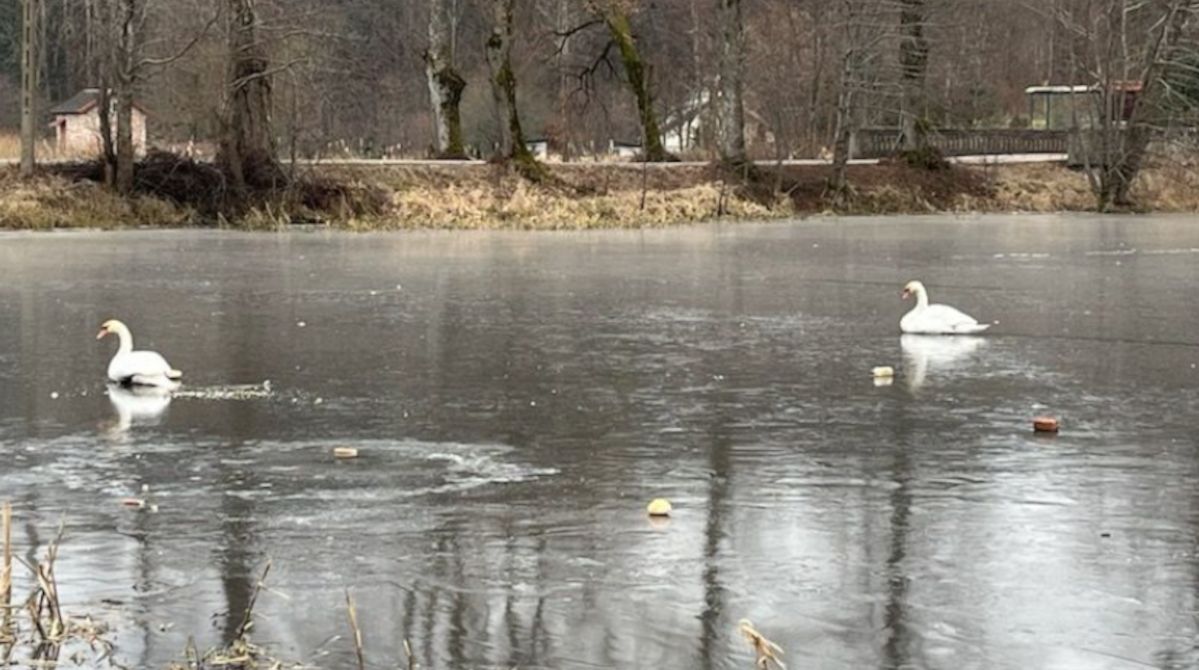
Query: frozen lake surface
pixel 517 399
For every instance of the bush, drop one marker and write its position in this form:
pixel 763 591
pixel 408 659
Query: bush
pixel 926 157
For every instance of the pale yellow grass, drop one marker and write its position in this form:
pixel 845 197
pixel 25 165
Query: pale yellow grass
pixel 52 202
pixel 1161 187
pixel 10 147
pixel 515 204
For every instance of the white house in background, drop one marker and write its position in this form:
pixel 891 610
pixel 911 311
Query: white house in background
pixel 624 149
pixel 539 147
pixel 77 124
pixel 681 128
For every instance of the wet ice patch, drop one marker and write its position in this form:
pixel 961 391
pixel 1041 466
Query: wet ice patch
pixel 227 392
pixel 1145 252
pixel 473 469
pixel 392 468
pixel 1022 255
pixel 94 467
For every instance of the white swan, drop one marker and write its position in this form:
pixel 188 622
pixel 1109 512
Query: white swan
pixel 129 367
pixel 926 319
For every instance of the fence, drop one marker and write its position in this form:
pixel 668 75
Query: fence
pixel 881 142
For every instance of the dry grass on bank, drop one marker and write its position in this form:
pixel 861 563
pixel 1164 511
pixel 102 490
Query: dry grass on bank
pixel 585 196
pixel 590 196
pixel 54 202
pixel 1163 186
pixel 518 205
pixel 580 197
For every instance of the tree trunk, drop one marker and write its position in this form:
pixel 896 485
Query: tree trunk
pixel 815 138
pixel 28 87
pixel 565 134
pixel 108 152
pixel 1125 148
pixel 247 147
pixel 843 134
pixel 702 95
pixel 125 154
pixel 622 34
pixel 503 82
pixel 913 62
pixel 126 57
pixel 445 84
pixel 732 83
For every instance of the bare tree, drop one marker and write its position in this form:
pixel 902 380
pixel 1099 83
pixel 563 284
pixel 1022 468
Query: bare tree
pixel 445 84
pixel 247 145
pixel 121 67
pixel 362 74
pixel 132 19
pixel 1130 48
pixel 732 83
pixel 564 134
pixel 615 16
pixel 29 67
pixel 862 31
pixel 913 61
pixel 503 82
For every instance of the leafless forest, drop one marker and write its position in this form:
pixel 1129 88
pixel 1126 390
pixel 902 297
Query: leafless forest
pixel 729 78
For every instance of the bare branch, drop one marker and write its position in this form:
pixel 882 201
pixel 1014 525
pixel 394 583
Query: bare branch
pixel 269 72
pixel 167 60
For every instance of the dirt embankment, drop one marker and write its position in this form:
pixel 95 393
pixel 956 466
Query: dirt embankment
pixel 578 196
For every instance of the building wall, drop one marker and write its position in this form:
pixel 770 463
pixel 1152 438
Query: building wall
pixel 81 134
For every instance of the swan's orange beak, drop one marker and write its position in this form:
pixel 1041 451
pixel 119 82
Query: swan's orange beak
pixel 100 335
pixel 904 295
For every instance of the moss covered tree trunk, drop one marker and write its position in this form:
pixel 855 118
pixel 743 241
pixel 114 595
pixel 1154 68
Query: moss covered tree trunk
pixel 913 63
pixel 503 82
pixel 617 20
pixel 445 84
pixel 732 83
pixel 247 147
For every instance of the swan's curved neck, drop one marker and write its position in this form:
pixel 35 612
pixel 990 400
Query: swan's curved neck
pixel 921 298
pixel 126 339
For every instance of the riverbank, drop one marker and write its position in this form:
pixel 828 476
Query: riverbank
pixel 583 196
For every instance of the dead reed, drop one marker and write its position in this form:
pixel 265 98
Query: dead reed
pixel 36 631
pixel 240 653
pixel 6 630
pixel 357 632
pixel 766 652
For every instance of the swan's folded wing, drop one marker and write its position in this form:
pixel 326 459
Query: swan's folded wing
pixel 953 320
pixel 138 363
pixel 152 380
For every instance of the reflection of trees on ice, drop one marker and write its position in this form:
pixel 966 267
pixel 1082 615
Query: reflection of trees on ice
pixel 140 405
pixel 936 353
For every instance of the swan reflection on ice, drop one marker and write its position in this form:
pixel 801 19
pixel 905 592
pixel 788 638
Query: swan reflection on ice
pixel 138 405
pixel 932 353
